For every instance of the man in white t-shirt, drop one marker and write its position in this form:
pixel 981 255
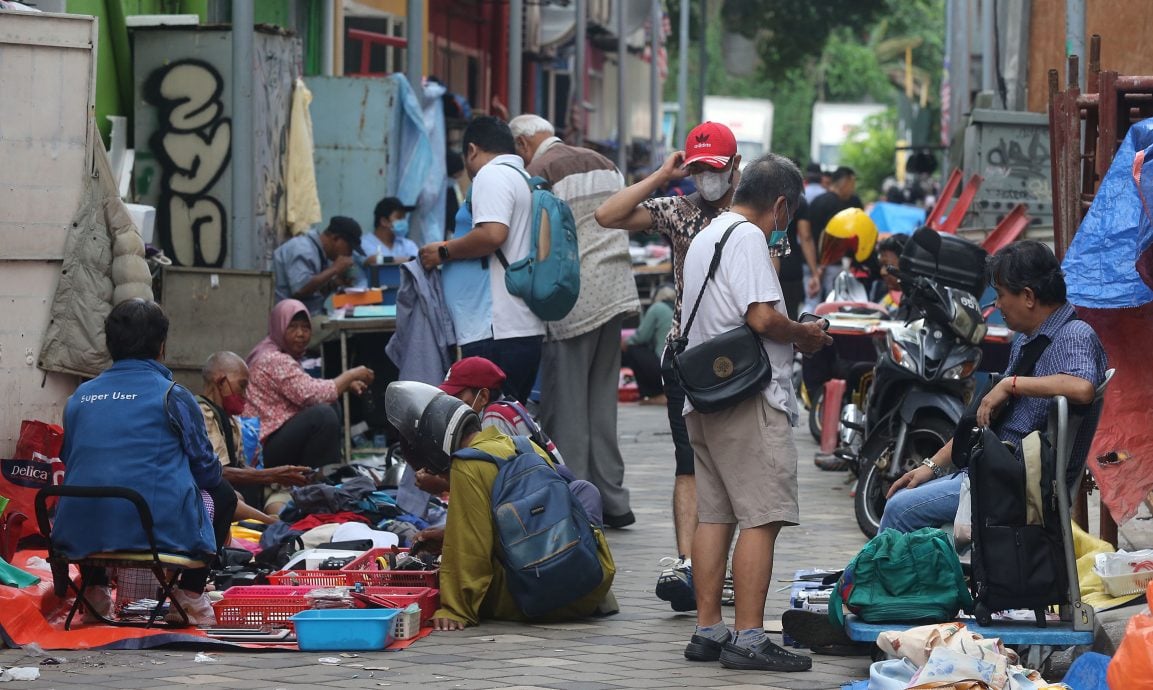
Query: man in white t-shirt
pixel 746 462
pixel 501 216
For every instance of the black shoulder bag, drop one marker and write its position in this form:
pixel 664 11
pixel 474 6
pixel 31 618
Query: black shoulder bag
pixel 730 368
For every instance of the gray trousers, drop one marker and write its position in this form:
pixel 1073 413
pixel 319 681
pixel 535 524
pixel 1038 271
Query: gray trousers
pixel 578 396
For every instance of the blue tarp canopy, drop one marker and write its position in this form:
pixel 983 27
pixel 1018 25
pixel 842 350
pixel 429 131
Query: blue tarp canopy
pixel 897 219
pixel 1101 266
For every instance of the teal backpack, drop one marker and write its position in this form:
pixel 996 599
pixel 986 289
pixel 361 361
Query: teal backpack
pixel 902 578
pixel 549 278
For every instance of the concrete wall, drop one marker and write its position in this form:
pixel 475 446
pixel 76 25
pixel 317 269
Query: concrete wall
pixel 47 78
pixel 183 137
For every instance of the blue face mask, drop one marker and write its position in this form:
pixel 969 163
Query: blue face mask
pixel 400 227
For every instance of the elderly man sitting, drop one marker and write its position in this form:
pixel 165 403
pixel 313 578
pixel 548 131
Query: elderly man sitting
pixel 224 394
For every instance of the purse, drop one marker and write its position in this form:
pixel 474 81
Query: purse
pixel 726 370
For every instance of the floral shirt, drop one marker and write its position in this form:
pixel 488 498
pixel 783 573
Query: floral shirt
pixel 680 218
pixel 279 388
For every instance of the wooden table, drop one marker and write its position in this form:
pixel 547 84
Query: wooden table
pixel 346 328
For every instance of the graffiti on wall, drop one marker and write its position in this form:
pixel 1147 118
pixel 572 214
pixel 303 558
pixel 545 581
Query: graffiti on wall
pixel 192 144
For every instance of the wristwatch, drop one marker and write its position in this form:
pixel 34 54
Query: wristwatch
pixel 938 471
pixel 442 252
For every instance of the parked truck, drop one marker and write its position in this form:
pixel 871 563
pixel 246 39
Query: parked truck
pixel 751 120
pixel 832 123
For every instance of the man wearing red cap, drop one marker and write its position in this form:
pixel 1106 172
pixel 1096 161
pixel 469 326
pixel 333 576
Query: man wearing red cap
pixel 711 158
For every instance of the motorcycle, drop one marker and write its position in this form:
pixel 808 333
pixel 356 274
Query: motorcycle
pixel 923 379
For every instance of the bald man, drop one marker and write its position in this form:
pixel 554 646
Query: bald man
pixel 225 390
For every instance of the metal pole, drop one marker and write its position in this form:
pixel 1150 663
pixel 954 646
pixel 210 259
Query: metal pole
pixel 326 38
pixel 622 115
pixel 987 42
pixel 947 107
pixel 1075 36
pixel 683 77
pixel 702 63
pixel 965 66
pixel 414 33
pixel 515 47
pixel 577 112
pixel 243 239
pixel 655 85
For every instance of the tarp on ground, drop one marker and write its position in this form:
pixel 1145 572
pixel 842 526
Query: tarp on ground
pixel 1109 272
pixel 897 219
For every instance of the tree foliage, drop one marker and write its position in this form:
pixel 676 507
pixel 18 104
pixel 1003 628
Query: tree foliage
pixel 871 151
pixel 789 32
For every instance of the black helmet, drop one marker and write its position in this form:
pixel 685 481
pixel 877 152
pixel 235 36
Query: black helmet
pixel 431 423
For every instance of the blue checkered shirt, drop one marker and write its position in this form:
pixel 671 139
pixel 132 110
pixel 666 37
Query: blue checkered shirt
pixel 1074 350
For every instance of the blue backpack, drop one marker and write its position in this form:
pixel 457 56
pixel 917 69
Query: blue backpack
pixel 544 538
pixel 549 278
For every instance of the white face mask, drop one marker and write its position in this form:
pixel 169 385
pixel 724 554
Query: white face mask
pixel 713 185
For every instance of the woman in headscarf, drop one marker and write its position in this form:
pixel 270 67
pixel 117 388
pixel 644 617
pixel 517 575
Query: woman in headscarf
pixel 298 423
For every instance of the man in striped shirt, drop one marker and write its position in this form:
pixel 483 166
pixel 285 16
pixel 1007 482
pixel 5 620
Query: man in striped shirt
pixel 1031 296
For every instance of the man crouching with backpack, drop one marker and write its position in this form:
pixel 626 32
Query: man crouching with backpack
pixel 480 575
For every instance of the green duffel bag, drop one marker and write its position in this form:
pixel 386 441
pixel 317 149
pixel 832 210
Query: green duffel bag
pixel 902 578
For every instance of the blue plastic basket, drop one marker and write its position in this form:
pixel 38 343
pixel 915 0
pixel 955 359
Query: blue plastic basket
pixel 320 630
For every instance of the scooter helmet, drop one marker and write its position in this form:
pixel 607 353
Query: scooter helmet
pixel 431 423
pixel 851 230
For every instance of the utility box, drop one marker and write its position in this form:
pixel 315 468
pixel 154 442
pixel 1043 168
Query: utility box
pixel 47 87
pixel 1010 150
pixel 211 310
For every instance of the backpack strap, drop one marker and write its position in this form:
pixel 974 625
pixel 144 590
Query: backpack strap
pixel 474 454
pixel 528 180
pixel 523 445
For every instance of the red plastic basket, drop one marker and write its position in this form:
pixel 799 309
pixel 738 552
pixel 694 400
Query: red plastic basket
pixel 401 597
pixel 365 569
pixel 261 591
pixel 313 578
pixel 258 612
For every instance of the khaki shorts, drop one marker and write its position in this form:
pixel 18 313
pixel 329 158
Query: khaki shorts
pixel 746 465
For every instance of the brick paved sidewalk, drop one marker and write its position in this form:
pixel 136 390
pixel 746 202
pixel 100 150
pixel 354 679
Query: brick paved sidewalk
pixel 641 647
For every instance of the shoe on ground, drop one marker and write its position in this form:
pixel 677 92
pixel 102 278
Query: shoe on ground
pixel 829 463
pixel 705 649
pixel 619 521
pixel 675 584
pixel 100 597
pixel 765 656
pixel 813 629
pixel 197 606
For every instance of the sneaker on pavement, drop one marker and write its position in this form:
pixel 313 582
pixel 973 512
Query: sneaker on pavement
pixel 100 597
pixel 705 649
pixel 197 606
pixel 765 656
pixel 675 584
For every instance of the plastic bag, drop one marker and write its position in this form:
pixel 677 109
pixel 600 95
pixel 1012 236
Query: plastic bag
pixel 36 465
pixel 39 438
pixel 1132 665
pixel 963 523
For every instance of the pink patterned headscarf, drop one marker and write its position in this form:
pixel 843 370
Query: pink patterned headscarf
pixel 278 319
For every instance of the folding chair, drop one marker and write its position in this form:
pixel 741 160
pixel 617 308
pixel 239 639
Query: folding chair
pixel 164 566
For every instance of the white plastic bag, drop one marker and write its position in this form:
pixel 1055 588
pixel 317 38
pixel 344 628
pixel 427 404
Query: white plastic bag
pixel 963 523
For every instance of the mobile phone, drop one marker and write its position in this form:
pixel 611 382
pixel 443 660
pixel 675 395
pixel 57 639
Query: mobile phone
pixel 806 317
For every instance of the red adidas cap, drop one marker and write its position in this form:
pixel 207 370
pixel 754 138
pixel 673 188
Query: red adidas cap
pixel 472 372
pixel 710 143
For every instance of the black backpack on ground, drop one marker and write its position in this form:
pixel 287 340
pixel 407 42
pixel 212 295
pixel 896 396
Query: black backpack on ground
pixel 1018 560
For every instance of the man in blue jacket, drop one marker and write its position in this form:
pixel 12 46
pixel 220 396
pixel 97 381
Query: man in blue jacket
pixel 134 427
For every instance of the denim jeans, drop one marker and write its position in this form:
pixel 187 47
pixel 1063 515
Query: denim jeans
pixel 518 358
pixel 931 504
